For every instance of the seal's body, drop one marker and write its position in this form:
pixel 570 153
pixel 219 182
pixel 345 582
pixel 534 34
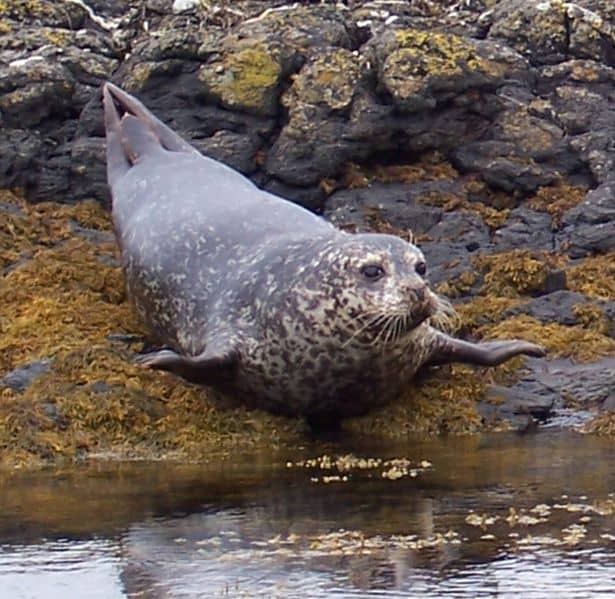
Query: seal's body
pixel 257 296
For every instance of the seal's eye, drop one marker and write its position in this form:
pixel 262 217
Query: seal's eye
pixel 420 268
pixel 372 272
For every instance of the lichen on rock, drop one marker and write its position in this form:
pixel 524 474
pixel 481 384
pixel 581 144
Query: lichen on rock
pixel 421 68
pixel 248 79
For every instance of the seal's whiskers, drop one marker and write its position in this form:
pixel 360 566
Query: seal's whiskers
pixel 445 318
pixel 374 321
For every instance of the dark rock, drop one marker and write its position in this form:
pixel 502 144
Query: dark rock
pixel 21 150
pixel 447 239
pixel 588 384
pixel 539 32
pixel 502 166
pixel 292 95
pixel 525 229
pixel 555 280
pixel 592 223
pixel 550 32
pixel 88 171
pixel 32 90
pixel 546 390
pixel 312 198
pixel 515 406
pixel 393 203
pixel 21 378
pixel 554 307
pixel 235 149
pixel 609 403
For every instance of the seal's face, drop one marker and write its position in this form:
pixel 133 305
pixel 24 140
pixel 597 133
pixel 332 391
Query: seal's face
pixel 378 282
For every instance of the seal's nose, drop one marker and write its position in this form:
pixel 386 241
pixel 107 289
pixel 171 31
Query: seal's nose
pixel 420 294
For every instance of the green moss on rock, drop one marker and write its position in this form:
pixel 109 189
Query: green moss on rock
pixel 247 79
pixel 419 66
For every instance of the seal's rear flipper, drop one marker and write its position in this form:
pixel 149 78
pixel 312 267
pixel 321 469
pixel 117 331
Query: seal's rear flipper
pixel 133 132
pixel 488 353
pixel 204 368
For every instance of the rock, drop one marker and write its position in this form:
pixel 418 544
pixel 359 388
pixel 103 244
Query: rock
pixel 553 307
pixel 421 69
pixel 248 80
pixel 568 383
pixel 536 30
pixel 21 378
pixel 552 31
pixel 525 229
pixel 515 406
pixel 292 94
pixel 546 390
pixel 392 203
pixel 503 166
pixel 315 143
pixel 308 197
pixel 592 223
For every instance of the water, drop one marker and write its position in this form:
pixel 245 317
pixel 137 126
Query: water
pixel 489 516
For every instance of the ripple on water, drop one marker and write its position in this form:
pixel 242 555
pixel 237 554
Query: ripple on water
pixel 61 569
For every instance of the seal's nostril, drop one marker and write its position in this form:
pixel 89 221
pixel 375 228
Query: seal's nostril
pixel 420 294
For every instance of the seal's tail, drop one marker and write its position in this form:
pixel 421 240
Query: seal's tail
pixel 135 134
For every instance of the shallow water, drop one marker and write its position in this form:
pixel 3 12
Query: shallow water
pixel 489 516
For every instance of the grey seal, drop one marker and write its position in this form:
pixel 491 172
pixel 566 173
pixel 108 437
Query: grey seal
pixel 258 297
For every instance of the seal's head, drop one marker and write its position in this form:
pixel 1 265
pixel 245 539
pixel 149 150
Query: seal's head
pixel 376 285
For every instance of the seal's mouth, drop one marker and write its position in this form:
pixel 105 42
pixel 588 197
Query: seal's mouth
pixel 389 328
pixel 386 327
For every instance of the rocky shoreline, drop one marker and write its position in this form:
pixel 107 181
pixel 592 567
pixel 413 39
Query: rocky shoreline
pixel 482 128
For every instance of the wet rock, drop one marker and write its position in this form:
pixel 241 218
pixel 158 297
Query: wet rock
pixel 21 378
pixel 515 406
pixel 548 389
pixel 588 385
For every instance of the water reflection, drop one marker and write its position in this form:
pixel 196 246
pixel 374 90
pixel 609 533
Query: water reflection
pixel 493 516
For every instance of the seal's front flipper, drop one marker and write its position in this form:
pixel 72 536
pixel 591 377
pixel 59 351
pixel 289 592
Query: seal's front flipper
pixel 487 353
pixel 205 368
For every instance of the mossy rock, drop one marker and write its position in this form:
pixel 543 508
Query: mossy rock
pixel 420 68
pixel 248 79
pixel 561 341
pixel 61 14
pixel 329 80
pixel 511 274
pixel 593 276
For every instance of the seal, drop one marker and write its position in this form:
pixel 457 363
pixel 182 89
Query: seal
pixel 258 297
